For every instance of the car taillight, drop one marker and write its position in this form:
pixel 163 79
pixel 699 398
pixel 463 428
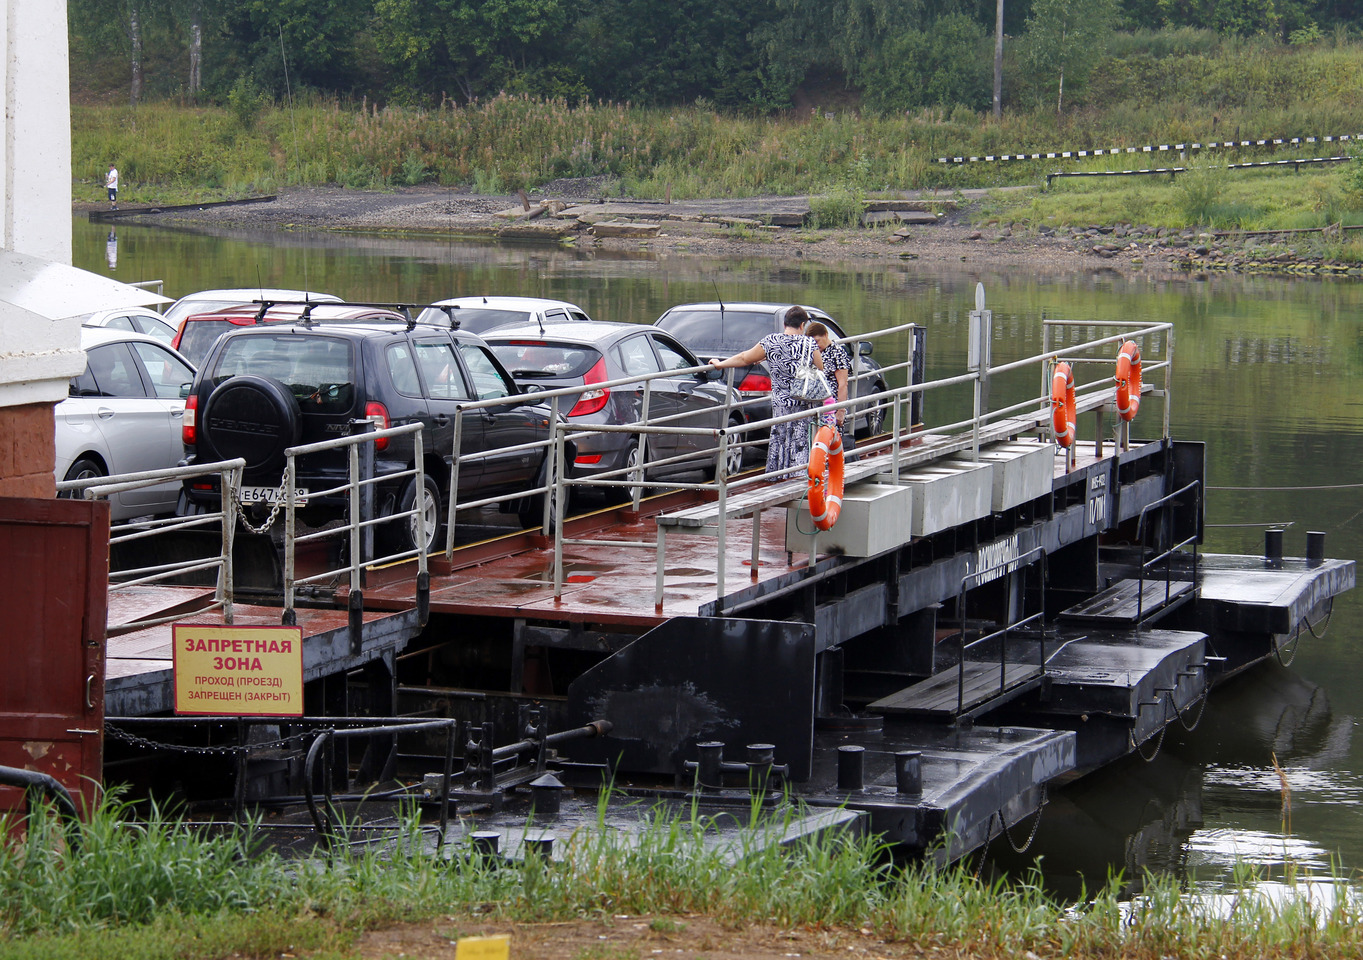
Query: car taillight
pixel 588 458
pixel 377 414
pixel 590 401
pixel 189 432
pixel 754 383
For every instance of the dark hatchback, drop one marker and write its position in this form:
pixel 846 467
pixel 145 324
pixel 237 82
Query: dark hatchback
pixel 556 355
pixel 263 389
pixel 721 330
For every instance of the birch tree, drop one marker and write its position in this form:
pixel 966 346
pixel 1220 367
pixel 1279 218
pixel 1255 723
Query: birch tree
pixel 1064 39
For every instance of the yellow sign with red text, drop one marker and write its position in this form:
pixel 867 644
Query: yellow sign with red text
pixel 238 671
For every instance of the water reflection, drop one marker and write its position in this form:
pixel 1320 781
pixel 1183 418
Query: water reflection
pixel 1211 800
pixel 1264 375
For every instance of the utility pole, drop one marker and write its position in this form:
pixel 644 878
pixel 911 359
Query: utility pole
pixel 998 63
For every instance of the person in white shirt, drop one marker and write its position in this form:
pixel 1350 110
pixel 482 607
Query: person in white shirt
pixel 111 184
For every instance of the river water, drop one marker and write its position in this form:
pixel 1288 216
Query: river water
pixel 1265 372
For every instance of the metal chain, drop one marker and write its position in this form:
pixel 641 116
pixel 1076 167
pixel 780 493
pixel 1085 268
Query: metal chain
pixel 1036 825
pixel 1137 747
pixel 1196 723
pixel 226 750
pixel 275 507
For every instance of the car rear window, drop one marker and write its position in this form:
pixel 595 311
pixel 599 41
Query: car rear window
pixel 541 360
pixel 475 319
pixel 726 330
pixel 319 371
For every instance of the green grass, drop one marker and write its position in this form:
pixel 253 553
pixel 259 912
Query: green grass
pixel 1158 88
pixel 157 888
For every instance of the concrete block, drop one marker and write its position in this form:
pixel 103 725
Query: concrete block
pixel 1023 471
pixel 947 493
pixel 874 518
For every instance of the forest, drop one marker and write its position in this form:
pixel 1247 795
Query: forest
pixel 760 56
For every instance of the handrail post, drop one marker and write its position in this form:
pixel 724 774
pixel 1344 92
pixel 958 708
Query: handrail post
pixel 229 501
pixel 551 478
pixel 454 481
pixel 895 426
pixel 558 428
pixel 719 533
pixel 356 541
pixel 1168 377
pixel 636 493
pixel 290 616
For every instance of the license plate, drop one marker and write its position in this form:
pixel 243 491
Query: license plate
pixel 271 494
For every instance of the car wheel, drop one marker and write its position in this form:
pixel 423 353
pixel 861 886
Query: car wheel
pixel 255 418
pixel 531 510
pixel 400 534
pixel 83 469
pixel 875 419
pixel 734 455
pixel 632 461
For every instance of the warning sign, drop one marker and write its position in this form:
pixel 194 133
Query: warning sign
pixel 238 671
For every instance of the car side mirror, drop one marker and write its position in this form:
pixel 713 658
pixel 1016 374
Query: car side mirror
pixel 864 348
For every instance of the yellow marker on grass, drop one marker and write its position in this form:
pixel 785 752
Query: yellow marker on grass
pixel 483 948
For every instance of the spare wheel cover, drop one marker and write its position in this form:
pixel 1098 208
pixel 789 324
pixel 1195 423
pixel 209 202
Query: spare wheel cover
pixel 255 418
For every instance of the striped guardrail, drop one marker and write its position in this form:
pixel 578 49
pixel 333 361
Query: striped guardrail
pixel 1153 148
pixel 1171 171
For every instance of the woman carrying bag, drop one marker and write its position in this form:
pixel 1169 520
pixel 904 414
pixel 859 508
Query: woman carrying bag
pixel 785 353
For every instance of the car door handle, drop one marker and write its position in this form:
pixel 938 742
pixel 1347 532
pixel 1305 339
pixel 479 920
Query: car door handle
pixel 177 414
pixel 105 413
pixel 441 420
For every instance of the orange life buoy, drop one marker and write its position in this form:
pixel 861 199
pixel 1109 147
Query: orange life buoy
pixel 1062 404
pixel 825 478
pixel 1129 380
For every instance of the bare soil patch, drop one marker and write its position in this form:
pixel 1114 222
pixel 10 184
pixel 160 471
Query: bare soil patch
pixel 633 938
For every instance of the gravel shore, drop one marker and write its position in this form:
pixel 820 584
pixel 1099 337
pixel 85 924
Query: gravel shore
pixel 573 212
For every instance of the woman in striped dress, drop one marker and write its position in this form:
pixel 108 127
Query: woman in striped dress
pixel 837 367
pixel 782 352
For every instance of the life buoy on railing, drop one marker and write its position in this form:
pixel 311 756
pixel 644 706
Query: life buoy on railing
pixel 825 478
pixel 1062 404
pixel 1129 380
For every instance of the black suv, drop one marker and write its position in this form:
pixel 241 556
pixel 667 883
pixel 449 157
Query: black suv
pixel 262 389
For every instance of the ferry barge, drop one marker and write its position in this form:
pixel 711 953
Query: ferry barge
pixel 1004 604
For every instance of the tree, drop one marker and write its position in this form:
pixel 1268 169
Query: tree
pixel 1065 38
pixel 944 65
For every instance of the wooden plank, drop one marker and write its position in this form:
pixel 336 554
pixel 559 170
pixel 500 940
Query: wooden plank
pixel 1126 601
pixel 941 695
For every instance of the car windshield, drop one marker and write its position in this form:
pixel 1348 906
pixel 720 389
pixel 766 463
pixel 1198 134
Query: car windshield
pixel 475 319
pixel 720 330
pixel 199 336
pixel 318 371
pixel 540 360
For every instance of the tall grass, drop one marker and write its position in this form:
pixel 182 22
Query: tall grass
pixel 1170 86
pixel 158 887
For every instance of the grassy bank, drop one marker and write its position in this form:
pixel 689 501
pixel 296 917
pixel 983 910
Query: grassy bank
pixel 152 889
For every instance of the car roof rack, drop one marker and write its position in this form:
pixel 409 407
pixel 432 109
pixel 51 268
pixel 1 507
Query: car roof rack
pixel 406 309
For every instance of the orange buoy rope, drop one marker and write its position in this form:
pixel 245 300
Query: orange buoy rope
pixel 1062 404
pixel 825 478
pixel 1129 380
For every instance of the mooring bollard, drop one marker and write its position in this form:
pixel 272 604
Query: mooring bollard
pixel 761 756
pixel 908 771
pixel 851 767
pixel 1273 546
pixel 485 843
pixel 1315 546
pixel 711 764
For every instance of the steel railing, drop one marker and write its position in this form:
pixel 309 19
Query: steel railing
pixel 228 473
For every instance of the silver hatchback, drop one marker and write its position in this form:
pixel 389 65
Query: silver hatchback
pixel 556 355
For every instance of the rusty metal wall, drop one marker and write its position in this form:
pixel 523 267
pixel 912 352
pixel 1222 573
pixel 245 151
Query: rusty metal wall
pixel 54 572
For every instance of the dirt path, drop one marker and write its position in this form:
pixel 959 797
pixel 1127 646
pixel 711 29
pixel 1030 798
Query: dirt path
pixel 715 228
pixel 632 938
